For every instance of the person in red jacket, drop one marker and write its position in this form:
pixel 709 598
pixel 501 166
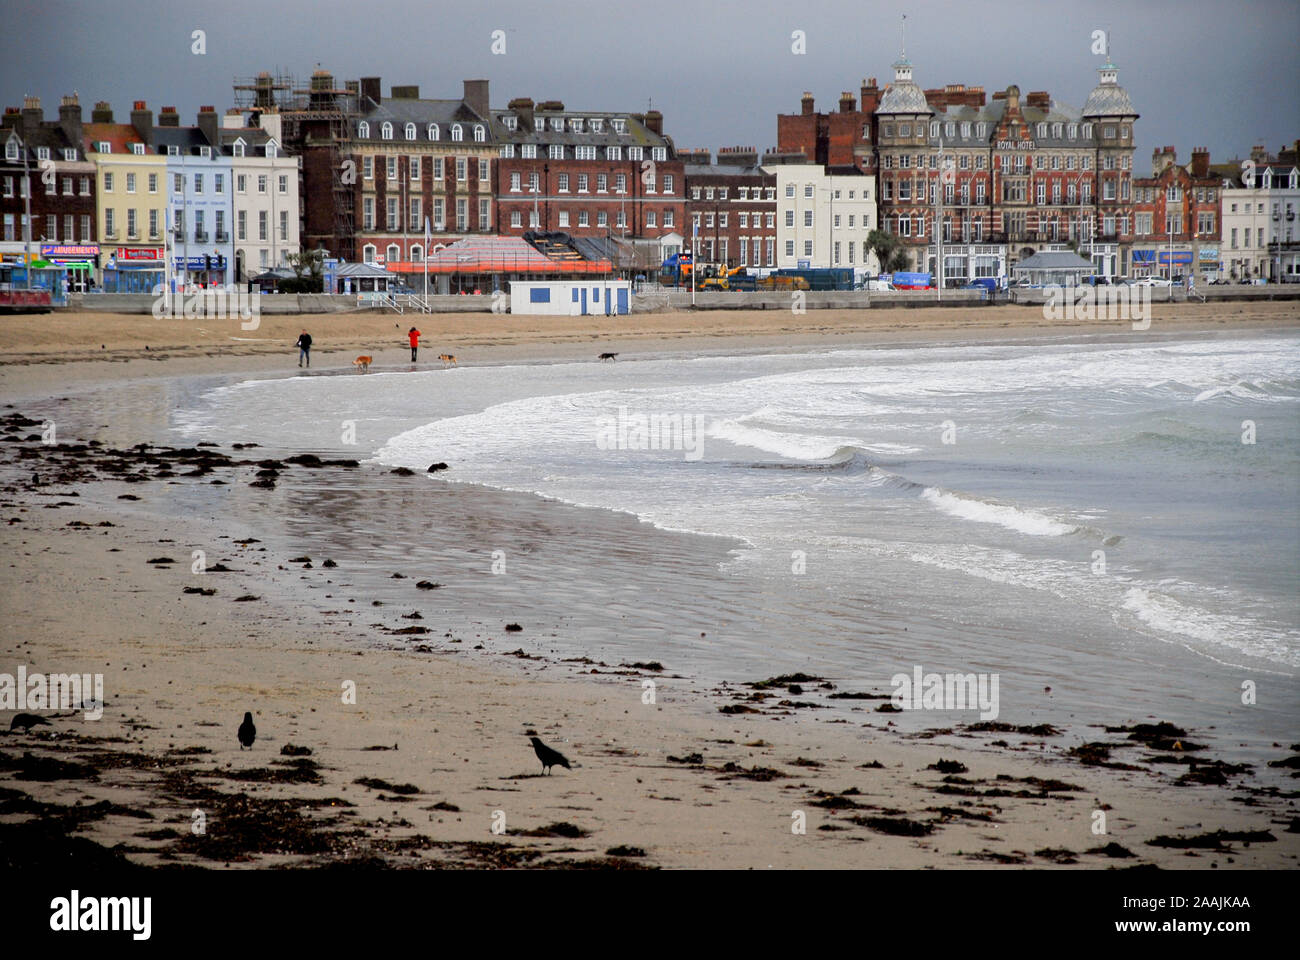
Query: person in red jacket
pixel 414 336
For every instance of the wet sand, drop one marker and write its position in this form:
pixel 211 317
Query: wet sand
pixel 434 750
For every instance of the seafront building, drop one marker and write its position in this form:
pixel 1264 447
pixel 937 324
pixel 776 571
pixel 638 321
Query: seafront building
pixel 824 215
pixel 731 208
pixel 199 190
pixel 50 156
pixel 1177 225
pixel 1260 203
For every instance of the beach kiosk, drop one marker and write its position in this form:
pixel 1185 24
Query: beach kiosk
pixel 576 297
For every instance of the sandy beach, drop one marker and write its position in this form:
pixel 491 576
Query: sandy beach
pixel 410 749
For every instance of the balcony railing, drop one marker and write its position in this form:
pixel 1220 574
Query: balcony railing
pixel 200 236
pixel 222 236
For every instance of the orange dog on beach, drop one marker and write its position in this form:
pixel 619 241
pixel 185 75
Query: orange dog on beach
pixel 363 362
pixel 448 359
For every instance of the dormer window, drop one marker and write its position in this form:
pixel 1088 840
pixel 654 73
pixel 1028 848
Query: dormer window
pixel 434 132
pixel 1087 131
pixel 70 154
pixel 934 131
pixel 510 122
pixel 597 126
pixel 173 150
pixel 480 133
pixel 575 125
pixel 557 124
pixel 1074 131
pixel 238 148
pixel 620 126
pixel 386 131
pixel 457 132
pixel 205 151
pixel 42 153
pixel 1056 130
pixel 982 130
pixel 1042 131
pixel 272 151
pixel 137 149
pixel 363 130
pixel 539 124
pixel 103 146
pixel 410 131
pixel 950 129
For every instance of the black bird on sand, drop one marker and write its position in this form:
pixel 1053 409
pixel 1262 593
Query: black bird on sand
pixel 550 758
pixel 25 721
pixel 247 732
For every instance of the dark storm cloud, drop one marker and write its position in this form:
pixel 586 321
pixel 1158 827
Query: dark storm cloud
pixel 1201 73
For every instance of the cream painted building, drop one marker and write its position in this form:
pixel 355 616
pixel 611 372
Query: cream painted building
pixel 1261 221
pixel 131 199
pixel 823 219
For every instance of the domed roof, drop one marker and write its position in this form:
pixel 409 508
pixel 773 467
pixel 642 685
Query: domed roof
pixel 1108 98
pixel 903 95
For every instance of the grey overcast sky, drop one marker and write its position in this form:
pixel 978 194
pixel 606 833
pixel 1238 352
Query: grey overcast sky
pixel 1200 72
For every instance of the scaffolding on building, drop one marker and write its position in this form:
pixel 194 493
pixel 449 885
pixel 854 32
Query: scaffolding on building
pixel 315 116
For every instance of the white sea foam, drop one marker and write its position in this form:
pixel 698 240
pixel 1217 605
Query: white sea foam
pixel 1019 519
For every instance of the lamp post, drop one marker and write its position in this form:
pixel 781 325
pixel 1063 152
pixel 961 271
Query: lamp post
pixel 27 216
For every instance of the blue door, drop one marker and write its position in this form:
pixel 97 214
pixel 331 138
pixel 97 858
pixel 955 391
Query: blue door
pixel 584 301
pixel 622 300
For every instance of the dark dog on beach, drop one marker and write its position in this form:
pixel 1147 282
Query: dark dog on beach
pixel 607 356
pixel 247 732
pixel 25 721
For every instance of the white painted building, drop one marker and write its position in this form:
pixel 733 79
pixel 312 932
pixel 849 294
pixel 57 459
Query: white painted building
pixel 570 298
pixel 266 206
pixel 1260 214
pixel 823 219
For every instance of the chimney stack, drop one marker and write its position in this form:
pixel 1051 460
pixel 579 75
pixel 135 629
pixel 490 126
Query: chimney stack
pixel 738 156
pixel 33 116
pixel 1200 162
pixel 168 117
pixel 103 112
pixel 846 102
pixel 522 107
pixel 806 103
pixel 70 119
pixel 142 120
pixel 654 122
pixel 476 97
pixel 870 95
pixel 209 124
pixel 370 90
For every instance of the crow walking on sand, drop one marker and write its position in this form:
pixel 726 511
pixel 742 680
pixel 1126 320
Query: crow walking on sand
pixel 247 732
pixel 550 758
pixel 25 721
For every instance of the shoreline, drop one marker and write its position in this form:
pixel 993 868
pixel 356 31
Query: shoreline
pixel 731 808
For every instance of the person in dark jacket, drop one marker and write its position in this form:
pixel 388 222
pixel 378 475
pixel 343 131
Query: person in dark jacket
pixel 304 348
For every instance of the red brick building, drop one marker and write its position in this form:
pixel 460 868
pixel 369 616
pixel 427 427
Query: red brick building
pixel 62 179
pixel 733 202
pixel 1177 216
pixel 586 173
pixel 844 138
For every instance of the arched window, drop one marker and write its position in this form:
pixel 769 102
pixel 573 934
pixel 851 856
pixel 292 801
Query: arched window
pixel 1087 131
pixel 393 254
pixel 433 131
pixel 368 253
pixel 480 134
pixel 363 130
pixel 1042 131
pixel 417 253
pixel 410 131
pixel 386 130
pixel 456 132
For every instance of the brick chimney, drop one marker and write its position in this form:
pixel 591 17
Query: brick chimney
pixel 11 119
pixel 370 90
pixel 103 112
pixel 1039 100
pixel 1200 162
pixel 522 107
pixel 701 156
pixel 142 120
pixel 738 156
pixel 209 124
pixel 806 102
pixel 870 95
pixel 476 97
pixel 654 122
pixel 33 116
pixel 70 119
pixel 1259 153
pixel 168 117
pixel 847 102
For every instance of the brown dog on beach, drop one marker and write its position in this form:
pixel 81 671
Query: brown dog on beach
pixel 448 359
pixel 363 362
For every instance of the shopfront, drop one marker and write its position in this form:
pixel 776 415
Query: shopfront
pixel 205 270
pixel 1156 262
pixel 78 259
pixel 133 270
